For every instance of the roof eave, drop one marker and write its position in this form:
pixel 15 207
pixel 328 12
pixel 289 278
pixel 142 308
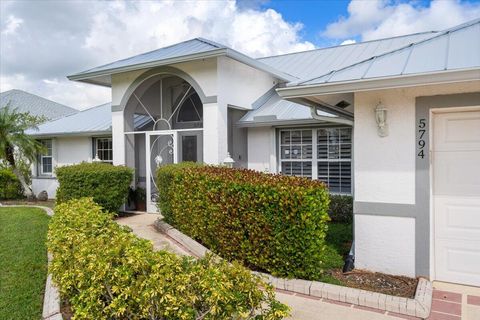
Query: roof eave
pixel 440 77
pixel 235 55
pixel 71 134
pixel 296 122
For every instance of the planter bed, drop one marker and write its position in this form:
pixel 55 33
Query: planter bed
pixel 417 306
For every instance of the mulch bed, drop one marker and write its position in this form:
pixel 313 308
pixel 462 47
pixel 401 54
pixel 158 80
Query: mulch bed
pixel 378 282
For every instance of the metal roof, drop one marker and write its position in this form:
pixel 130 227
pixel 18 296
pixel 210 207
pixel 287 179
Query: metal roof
pixel 309 64
pixel 35 105
pixel 194 49
pixel 457 48
pixel 276 111
pixel 95 120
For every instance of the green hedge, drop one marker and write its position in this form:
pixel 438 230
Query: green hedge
pixel 106 184
pixel 267 222
pixel 10 187
pixel 341 208
pixel 106 272
pixel 164 182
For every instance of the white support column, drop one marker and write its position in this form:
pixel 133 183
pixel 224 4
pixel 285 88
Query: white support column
pixel 118 138
pixel 215 139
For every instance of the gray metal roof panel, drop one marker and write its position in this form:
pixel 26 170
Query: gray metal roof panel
pixel 314 63
pixel 96 119
pixel 278 110
pixel 455 48
pixel 185 48
pixel 35 105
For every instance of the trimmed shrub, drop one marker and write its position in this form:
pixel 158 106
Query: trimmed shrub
pixel 341 208
pixel 164 181
pixel 267 222
pixel 106 184
pixel 10 187
pixel 106 272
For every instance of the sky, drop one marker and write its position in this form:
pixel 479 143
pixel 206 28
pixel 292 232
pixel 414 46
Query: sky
pixel 41 42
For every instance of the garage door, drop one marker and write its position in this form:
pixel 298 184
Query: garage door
pixel 456 196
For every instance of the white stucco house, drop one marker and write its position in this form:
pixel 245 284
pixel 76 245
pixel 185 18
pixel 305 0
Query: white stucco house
pixel 394 122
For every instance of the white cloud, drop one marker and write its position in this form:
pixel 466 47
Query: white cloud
pixel 381 18
pixel 49 44
pixel 348 41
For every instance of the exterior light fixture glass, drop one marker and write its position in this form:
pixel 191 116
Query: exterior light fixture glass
pixel 381 118
pixel 228 161
pixel 96 159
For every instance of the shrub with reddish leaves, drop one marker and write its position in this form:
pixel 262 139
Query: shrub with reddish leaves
pixel 268 222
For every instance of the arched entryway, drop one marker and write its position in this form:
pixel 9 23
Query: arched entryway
pixel 163 118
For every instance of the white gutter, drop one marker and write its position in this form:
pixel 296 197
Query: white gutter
pixel 440 77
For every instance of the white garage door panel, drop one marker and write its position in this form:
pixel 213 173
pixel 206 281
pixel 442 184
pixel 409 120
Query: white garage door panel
pixel 457 173
pixel 458 261
pixel 457 218
pixel 456 196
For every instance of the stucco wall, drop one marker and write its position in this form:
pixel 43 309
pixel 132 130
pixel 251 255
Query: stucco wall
pixel 65 151
pixel 384 170
pixel 261 149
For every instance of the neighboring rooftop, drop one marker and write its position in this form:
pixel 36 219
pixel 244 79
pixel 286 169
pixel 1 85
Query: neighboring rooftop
pixel 35 105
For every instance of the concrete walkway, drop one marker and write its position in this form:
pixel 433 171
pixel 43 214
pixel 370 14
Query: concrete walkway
pixel 303 308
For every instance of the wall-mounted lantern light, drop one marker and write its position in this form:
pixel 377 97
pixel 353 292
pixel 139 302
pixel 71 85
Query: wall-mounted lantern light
pixel 96 159
pixel 228 161
pixel 158 160
pixel 381 118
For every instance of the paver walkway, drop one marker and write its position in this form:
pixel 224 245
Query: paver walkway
pixel 455 302
pixel 451 302
pixel 302 308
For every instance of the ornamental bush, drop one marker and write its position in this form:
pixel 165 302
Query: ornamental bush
pixel 164 181
pixel 341 208
pixel 10 187
pixel 106 184
pixel 106 272
pixel 267 222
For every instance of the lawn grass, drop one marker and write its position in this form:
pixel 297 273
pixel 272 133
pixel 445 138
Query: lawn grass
pixel 23 262
pixel 338 240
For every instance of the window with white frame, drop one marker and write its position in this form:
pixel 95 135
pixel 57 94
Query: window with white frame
pixel 46 159
pixel 102 149
pixel 323 153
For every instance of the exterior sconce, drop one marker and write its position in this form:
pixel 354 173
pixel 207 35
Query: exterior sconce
pixel 228 161
pixel 381 118
pixel 96 159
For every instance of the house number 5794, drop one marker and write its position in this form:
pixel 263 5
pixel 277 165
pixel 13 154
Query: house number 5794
pixel 422 124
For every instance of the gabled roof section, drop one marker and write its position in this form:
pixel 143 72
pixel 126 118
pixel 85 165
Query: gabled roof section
pixel 35 105
pixel 456 48
pixel 313 63
pixel 189 50
pixel 275 111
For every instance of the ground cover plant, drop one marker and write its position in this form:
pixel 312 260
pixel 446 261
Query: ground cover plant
pixel 267 222
pixel 23 262
pixel 107 184
pixel 106 272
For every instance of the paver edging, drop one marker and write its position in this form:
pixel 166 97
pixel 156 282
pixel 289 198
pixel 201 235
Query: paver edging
pixel 51 297
pixel 419 306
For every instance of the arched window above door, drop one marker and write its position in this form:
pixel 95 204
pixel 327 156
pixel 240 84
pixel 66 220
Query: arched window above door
pixel 191 109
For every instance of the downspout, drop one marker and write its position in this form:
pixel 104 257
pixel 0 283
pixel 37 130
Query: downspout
pixel 349 264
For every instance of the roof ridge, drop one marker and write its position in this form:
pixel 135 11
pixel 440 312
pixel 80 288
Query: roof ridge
pixel 147 52
pixel 440 34
pixel 350 44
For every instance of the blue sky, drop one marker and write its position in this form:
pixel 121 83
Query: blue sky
pixel 43 41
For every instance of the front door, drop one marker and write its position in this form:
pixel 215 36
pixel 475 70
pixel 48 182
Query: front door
pixel 190 146
pixel 456 196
